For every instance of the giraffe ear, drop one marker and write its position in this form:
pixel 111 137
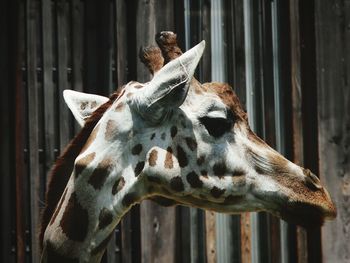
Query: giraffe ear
pixel 169 86
pixel 82 105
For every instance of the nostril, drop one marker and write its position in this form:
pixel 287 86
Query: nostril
pixel 312 180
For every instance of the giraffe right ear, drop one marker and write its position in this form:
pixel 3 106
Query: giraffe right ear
pixel 82 105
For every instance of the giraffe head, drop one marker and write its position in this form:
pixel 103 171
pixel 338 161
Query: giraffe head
pixel 178 139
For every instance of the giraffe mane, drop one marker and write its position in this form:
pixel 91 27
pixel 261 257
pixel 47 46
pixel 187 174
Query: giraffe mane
pixel 61 170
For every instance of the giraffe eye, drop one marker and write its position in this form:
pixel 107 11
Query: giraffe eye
pixel 216 127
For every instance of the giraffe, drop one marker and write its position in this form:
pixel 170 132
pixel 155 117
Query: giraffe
pixel 172 140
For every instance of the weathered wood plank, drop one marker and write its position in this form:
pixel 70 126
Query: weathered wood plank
pixel 309 108
pixel 62 74
pixel 246 243
pixel 77 18
pixel 20 117
pixel 33 116
pixel 297 124
pixel 332 20
pixel 121 45
pixel 48 85
pixel 77 47
pixel 104 47
pixel 157 223
pixel 210 236
pixel 8 66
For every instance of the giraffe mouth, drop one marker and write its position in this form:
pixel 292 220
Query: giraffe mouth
pixel 301 213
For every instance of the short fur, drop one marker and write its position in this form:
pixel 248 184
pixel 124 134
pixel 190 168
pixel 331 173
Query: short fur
pixel 63 167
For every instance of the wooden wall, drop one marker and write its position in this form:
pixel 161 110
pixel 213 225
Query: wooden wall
pixel 292 55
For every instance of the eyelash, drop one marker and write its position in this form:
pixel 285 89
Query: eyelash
pixel 216 127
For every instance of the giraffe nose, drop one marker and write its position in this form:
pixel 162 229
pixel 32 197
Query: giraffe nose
pixel 312 181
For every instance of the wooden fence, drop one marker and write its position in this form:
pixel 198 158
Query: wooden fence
pixel 289 61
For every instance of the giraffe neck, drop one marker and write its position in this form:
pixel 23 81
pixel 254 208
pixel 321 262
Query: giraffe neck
pixel 80 233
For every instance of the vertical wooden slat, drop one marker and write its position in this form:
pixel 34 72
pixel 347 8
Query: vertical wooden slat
pixel 236 77
pixel 77 47
pixel 104 47
pixel 210 237
pixel 77 18
pixel 157 223
pixel 33 137
pixel 309 109
pixel 48 85
pixel 62 74
pixel 20 141
pixel 269 225
pixel 90 46
pixel 8 66
pixel 297 125
pixel 120 43
pixel 246 243
pixel 282 90
pixel 253 83
pixel 332 20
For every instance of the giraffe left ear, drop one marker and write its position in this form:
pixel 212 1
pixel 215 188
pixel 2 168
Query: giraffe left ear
pixel 169 86
pixel 82 105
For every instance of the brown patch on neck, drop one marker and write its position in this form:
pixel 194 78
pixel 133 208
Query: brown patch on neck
pixel 75 220
pixel 63 167
pixel 152 160
pixel 100 174
pixel 110 130
pixel 168 163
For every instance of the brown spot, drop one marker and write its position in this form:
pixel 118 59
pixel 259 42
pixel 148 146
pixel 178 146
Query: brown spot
pixel 110 130
pixel 200 160
pixel 168 162
pixel 152 136
pixel 139 167
pixel 91 138
pixel 58 207
pixel 163 136
pixel 53 256
pixel 119 107
pixel 137 149
pixel 129 199
pixel 83 163
pixel 173 131
pixel 138 86
pixel 118 185
pixel 238 172
pixel 176 184
pixel 197 89
pixel 204 173
pixel 75 220
pixel 181 157
pixel 191 143
pixel 130 94
pixel 219 169
pixel 93 105
pixel 99 175
pixel 217 192
pixel 193 180
pixel 152 160
pixel 102 246
pixel 105 218
pixel 239 181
